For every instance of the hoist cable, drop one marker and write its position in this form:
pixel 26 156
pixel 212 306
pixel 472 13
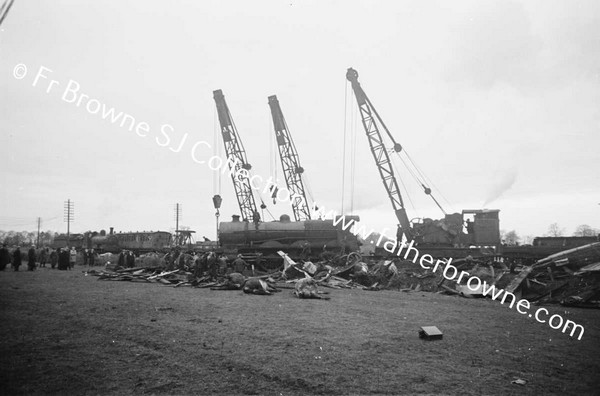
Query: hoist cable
pixel 344 145
pixel 353 133
pixel 404 187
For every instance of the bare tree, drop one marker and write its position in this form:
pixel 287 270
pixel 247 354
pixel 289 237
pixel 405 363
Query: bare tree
pixel 527 239
pixel 554 230
pixel 585 230
pixel 510 238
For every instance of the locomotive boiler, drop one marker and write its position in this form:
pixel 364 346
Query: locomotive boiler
pixel 306 238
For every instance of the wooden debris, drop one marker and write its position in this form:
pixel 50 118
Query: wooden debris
pixel 516 282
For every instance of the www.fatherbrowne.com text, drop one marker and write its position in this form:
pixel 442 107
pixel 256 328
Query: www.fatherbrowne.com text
pixel 408 251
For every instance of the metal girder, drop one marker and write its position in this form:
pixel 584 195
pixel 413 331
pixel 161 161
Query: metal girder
pixel 290 162
pixel 380 154
pixel 239 167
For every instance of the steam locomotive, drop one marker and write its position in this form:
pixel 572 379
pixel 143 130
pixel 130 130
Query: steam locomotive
pixel 138 242
pixel 306 238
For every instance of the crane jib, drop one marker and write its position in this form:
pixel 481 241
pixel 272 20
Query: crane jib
pixel 379 152
pixel 235 151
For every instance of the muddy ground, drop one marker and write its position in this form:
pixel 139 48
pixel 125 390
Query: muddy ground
pixel 66 333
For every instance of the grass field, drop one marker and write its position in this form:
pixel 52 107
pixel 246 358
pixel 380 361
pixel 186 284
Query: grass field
pixel 66 333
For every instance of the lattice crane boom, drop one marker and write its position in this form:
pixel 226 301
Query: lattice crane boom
pixel 290 162
pixel 236 159
pixel 369 119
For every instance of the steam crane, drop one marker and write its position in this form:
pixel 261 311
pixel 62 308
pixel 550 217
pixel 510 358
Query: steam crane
pixel 290 162
pixel 380 154
pixel 444 232
pixel 236 158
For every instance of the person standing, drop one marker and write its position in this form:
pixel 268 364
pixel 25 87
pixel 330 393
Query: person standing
pixel 31 258
pixel 175 257
pixel 121 262
pixel 53 258
pixel 43 257
pixel 213 265
pixel 16 259
pixel 63 259
pixel 130 259
pixel 239 265
pixel 4 257
pixel 72 257
pixel 91 257
pixel 85 257
pixel 223 268
pixel 59 258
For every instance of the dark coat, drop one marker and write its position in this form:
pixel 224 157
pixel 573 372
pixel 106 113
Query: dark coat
pixel 17 258
pixel 4 258
pixel 63 260
pixel 239 265
pixel 130 259
pixel 31 258
pixel 91 257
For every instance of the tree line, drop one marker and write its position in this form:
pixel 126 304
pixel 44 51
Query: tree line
pixel 511 238
pixel 12 238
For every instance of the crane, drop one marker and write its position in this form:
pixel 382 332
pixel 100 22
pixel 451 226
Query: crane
pixel 369 117
pixel 236 158
pixel 290 162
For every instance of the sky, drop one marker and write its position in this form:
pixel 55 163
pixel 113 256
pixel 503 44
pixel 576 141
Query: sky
pixel 498 102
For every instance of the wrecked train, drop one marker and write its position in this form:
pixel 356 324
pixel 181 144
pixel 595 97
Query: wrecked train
pixel 139 242
pixel 470 233
pixel 306 239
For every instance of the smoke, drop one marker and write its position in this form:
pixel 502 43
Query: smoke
pixel 504 182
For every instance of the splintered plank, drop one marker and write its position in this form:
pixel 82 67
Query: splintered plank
pixel 516 282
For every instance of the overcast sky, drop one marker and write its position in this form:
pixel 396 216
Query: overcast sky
pixel 498 102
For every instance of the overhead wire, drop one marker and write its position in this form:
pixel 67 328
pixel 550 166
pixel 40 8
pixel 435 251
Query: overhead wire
pixel 8 221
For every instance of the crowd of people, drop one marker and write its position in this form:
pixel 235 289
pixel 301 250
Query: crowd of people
pixel 61 258
pixel 199 263
pixel 209 263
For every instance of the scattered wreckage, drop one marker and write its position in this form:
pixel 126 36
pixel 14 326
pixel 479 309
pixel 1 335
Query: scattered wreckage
pixel 571 277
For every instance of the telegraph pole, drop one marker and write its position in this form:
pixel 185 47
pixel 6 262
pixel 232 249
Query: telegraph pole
pixel 39 221
pixel 177 215
pixel 69 216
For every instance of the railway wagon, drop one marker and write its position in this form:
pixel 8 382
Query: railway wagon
pixel 565 242
pixel 544 247
pixel 74 240
pixel 139 242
